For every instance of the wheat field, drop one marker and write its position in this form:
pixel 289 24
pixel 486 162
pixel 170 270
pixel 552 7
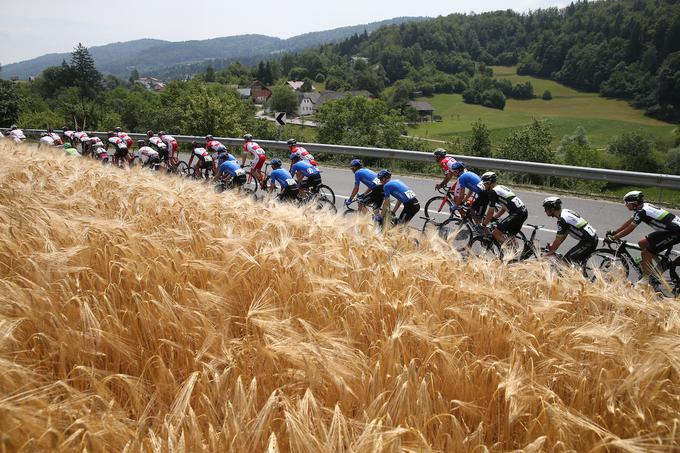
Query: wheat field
pixel 140 312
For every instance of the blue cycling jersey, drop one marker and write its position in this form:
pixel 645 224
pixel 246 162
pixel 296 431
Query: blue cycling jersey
pixel 230 167
pixel 282 176
pixel 399 190
pixel 470 180
pixel 368 177
pixel 226 156
pixel 305 168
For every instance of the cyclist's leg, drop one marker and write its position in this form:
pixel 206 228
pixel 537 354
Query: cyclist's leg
pixel 581 251
pixel 409 210
pixel 655 243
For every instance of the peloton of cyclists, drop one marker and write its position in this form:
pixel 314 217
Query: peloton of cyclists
pixel 119 146
pixel 148 156
pixel 665 224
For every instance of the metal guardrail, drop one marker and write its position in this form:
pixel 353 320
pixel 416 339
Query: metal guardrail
pixel 535 168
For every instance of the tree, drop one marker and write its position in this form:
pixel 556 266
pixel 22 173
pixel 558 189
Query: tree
pixel 10 103
pixel 306 85
pixel 87 78
pixel 479 143
pixel 635 151
pixel 210 74
pixel 673 161
pixel 359 121
pixel 134 75
pixel 284 99
pixel 547 95
pixel 493 98
pixel 530 143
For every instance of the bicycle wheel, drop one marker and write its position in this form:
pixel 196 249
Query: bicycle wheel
pixel 485 246
pixel 324 191
pixel 322 203
pixel 457 234
pixel 606 264
pixel 438 204
pixel 183 169
pixel 252 184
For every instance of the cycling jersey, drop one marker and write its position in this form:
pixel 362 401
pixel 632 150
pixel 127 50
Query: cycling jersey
pixel 72 152
pixel 505 196
pixel 56 138
pixel 304 154
pixel 470 180
pixel 284 178
pixel 146 153
pixel 657 218
pixel 400 191
pixel 47 140
pixel 444 164
pixel 117 142
pixel 81 136
pixel 366 176
pixel 232 168
pixel 171 143
pixel 70 135
pixel 202 154
pixel 95 142
pixel 215 147
pixel 573 224
pixel 226 156
pixel 17 135
pixel 125 137
pixel 253 149
pixel 158 143
pixel 305 168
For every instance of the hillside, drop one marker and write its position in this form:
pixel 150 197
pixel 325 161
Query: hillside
pixel 144 313
pixel 152 56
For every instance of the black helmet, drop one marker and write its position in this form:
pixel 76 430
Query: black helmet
pixel 50 130
pixel 440 153
pixel 161 133
pixel 634 196
pixel 118 129
pixel 248 137
pixel 291 142
pixel 552 203
pixel 194 144
pixel 208 138
pixel 489 176
pixel 141 142
pixel 276 162
pixel 149 133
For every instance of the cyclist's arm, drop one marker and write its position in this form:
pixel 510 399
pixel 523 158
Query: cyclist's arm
pixel 445 181
pixel 355 191
pixel 464 195
pixel 559 239
pixel 396 206
pixel 489 215
pixel 625 229
pixel 500 212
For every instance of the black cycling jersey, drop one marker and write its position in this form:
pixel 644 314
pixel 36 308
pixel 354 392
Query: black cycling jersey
pixel 657 218
pixel 505 196
pixel 572 223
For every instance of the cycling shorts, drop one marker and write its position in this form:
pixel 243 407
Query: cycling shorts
pixel 581 251
pixel 121 152
pixel 239 180
pixel 258 163
pixel 512 224
pixel 374 197
pixel 205 164
pixel 311 182
pixel 163 154
pixel 411 208
pixel 661 240
pixel 290 193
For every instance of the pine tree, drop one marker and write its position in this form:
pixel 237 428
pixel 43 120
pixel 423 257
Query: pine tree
pixel 88 78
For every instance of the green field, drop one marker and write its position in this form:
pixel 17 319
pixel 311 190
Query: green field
pixel 601 118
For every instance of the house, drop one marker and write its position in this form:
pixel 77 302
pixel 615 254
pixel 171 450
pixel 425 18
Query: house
pixel 151 83
pixel 244 92
pixel 424 109
pixel 307 103
pixel 259 92
pixel 295 84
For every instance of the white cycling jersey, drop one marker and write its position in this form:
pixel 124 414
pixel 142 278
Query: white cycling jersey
pixel 17 135
pixel 253 149
pixel 202 154
pixel 146 153
pixel 158 143
pixel 47 140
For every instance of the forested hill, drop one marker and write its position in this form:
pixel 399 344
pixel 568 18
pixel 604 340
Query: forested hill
pixel 627 49
pixel 155 57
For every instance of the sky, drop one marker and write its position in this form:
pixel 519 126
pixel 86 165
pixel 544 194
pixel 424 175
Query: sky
pixel 30 28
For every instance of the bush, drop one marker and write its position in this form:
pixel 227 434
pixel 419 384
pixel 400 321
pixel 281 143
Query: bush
pixel 493 98
pixel 673 161
pixel 547 95
pixel 635 152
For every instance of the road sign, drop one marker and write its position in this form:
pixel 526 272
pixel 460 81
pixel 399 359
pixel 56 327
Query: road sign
pixel 281 118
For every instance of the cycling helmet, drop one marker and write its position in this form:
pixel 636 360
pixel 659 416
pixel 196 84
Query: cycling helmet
pixel 634 196
pixel 13 126
pixel 79 129
pixel 161 133
pixel 489 176
pixel 382 174
pixel 149 134
pixel 248 137
pixel 43 134
pixel 457 166
pixel 552 203
pixel 50 130
pixel 295 157
pixel 291 142
pixel 67 145
pixel 276 162
pixel 141 142
pixel 208 138
pixel 110 133
pixel 194 144
pixel 118 129
pixel 355 163
pixel 440 153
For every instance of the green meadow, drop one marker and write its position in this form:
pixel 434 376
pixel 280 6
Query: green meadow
pixel 601 118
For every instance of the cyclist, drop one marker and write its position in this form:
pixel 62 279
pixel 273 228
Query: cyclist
pixel 96 147
pixel 80 137
pixel 57 139
pixel 403 195
pixel 295 148
pixel 69 135
pixel 469 187
pixel 443 161
pixel 289 188
pixel 258 156
pixel 172 146
pixel 120 147
pixel 228 170
pixel 203 159
pixel 306 175
pixel 374 190
pixel 16 134
pixel 215 148
pixel 665 224
pixel 45 140
pixel 70 150
pixel 148 155
pixel 509 202
pixel 128 140
pixel 570 223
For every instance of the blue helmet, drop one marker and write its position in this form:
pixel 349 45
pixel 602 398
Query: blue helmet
pixel 382 174
pixel 295 157
pixel 457 166
pixel 276 162
pixel 355 163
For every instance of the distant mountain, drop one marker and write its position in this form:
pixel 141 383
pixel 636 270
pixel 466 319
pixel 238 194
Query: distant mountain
pixel 155 57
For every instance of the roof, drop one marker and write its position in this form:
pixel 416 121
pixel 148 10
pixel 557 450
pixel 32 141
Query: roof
pixel 295 84
pixel 421 106
pixel 312 96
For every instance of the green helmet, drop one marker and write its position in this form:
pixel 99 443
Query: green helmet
pixel 67 145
